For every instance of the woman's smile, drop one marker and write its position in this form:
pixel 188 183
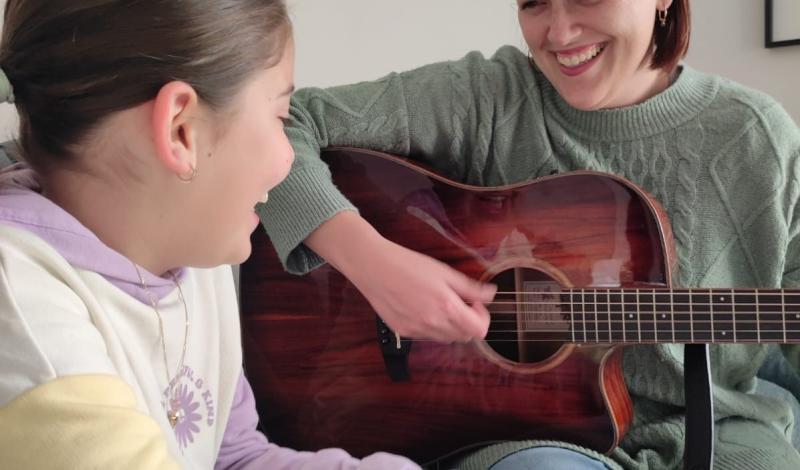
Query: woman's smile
pixel 576 61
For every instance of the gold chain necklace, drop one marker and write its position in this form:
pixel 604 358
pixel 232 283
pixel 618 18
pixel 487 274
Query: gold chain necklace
pixel 174 412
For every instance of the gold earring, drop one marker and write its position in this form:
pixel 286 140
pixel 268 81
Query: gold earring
pixel 662 17
pixel 190 178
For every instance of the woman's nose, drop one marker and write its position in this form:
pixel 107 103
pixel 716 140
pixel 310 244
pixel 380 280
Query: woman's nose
pixel 563 27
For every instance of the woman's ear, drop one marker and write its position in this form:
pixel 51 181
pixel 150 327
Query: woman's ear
pixel 175 128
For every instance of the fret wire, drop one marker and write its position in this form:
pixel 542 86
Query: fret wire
pixel 583 313
pixel 622 317
pixel 572 315
pixel 691 315
pixel 783 311
pixel 655 320
pixel 672 312
pixel 638 317
pixel 608 308
pixel 733 314
pixel 596 325
pixel 758 317
pixel 711 311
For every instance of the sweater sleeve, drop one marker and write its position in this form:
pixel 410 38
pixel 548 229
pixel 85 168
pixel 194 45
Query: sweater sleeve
pixel 245 448
pixel 441 114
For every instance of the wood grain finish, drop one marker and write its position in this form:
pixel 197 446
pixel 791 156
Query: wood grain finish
pixel 312 352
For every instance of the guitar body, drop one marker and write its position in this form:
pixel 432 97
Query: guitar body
pixel 317 359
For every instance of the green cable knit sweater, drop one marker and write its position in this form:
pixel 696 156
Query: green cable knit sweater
pixel 722 159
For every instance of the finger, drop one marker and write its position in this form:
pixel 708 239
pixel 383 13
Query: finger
pixel 470 289
pixel 433 326
pixel 464 320
pixel 484 317
pixel 441 332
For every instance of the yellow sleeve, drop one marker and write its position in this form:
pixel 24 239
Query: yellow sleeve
pixel 81 422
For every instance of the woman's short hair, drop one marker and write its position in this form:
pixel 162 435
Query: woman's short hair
pixel 671 41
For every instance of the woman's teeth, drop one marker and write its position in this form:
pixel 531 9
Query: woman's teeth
pixel 581 58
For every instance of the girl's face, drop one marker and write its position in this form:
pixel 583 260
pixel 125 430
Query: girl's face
pixel 250 158
pixel 596 53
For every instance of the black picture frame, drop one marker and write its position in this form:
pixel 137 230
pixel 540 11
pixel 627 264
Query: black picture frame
pixel 769 40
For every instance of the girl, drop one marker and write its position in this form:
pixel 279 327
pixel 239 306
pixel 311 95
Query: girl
pixel 150 130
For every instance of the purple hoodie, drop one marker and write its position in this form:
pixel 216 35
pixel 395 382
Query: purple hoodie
pixel 243 446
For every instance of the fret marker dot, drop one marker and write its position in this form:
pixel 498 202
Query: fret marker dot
pixel 724 333
pixel 722 299
pixel 663 316
pixel 630 316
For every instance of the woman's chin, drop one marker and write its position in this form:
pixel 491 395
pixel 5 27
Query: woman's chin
pixel 583 101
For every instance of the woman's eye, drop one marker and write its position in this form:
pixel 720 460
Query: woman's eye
pixel 530 4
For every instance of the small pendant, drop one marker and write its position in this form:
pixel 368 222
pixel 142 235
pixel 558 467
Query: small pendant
pixel 174 413
pixel 172 416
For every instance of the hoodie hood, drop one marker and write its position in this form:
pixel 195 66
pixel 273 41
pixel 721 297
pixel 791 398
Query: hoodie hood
pixel 23 205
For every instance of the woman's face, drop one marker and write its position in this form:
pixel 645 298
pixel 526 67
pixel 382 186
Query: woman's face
pixel 596 53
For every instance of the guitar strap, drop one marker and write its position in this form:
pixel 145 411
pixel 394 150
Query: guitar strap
pixel 699 447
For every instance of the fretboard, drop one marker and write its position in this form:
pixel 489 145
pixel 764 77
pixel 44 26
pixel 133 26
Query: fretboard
pixel 682 315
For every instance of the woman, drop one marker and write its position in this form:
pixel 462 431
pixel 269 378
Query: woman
pixel 120 332
pixel 600 90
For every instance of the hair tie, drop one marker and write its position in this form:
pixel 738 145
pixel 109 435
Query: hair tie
pixel 6 90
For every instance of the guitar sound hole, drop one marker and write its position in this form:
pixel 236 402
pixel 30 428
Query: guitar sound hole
pixel 527 322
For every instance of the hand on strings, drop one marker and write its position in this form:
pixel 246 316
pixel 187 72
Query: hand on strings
pixel 417 296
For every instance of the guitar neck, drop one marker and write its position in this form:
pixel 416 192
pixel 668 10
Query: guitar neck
pixel 637 316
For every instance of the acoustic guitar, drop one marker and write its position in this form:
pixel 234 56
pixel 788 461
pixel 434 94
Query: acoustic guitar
pixel 583 262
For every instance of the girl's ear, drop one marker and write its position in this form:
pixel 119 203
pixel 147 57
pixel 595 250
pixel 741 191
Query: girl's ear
pixel 175 128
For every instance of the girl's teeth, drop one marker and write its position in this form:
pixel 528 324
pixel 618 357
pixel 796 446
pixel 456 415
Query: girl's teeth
pixel 578 59
pixel 264 198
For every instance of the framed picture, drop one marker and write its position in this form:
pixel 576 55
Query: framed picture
pixel 782 23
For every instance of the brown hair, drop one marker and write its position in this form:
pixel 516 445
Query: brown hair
pixel 671 41
pixel 72 63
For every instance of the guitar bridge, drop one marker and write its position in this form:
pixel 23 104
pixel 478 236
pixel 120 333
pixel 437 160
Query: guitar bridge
pixel 394 350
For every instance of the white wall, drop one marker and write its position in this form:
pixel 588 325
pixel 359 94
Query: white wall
pixel 728 39
pixel 342 41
